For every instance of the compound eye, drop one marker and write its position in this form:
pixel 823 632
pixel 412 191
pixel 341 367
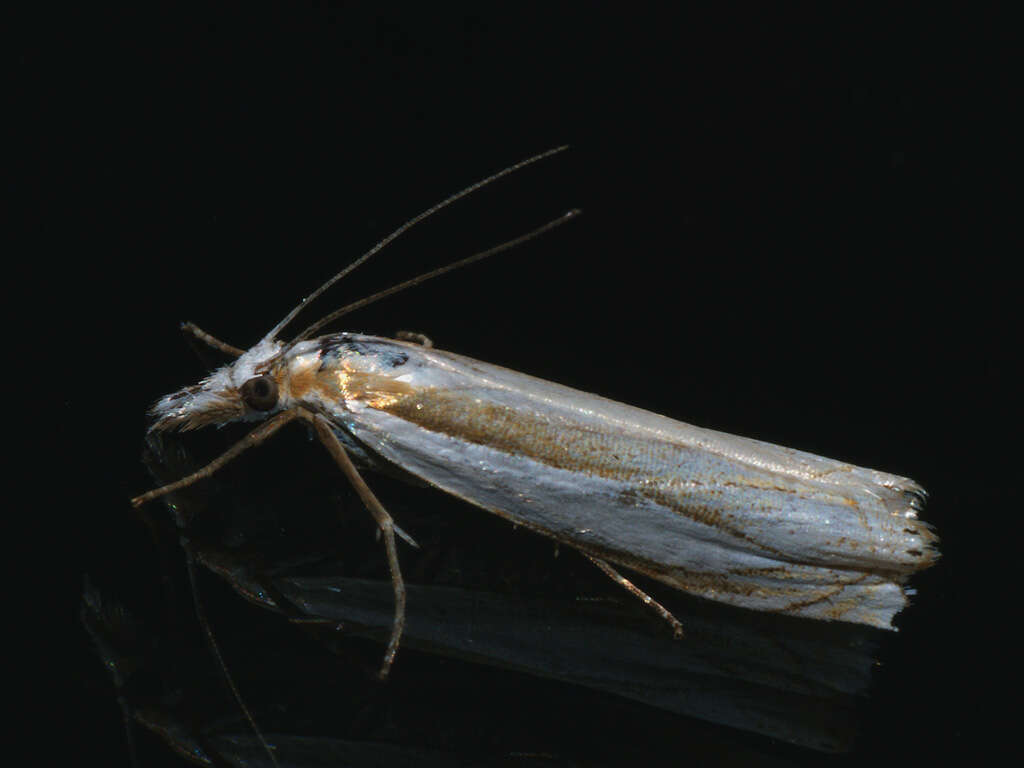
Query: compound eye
pixel 260 393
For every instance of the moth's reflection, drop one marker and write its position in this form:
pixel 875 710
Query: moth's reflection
pixel 496 661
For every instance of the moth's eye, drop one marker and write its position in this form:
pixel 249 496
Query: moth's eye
pixel 260 393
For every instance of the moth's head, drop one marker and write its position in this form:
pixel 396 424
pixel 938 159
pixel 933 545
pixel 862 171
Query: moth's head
pixel 245 390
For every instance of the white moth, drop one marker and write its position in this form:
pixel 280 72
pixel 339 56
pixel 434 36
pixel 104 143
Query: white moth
pixel 727 518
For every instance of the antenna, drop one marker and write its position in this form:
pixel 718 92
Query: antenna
pixel 272 334
pixel 480 256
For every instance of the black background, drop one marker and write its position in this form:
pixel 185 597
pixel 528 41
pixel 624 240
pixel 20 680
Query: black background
pixel 769 247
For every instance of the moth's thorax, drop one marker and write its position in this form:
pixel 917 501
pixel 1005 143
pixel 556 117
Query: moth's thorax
pixel 326 374
pixel 342 370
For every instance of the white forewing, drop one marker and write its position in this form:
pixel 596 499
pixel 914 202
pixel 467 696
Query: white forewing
pixel 725 517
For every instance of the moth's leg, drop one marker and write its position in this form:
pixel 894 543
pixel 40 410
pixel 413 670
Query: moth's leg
pixel 416 338
pixel 257 436
pixel 405 536
pixel 622 581
pixel 384 522
pixel 211 341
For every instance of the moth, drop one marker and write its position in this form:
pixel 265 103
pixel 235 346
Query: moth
pixel 726 518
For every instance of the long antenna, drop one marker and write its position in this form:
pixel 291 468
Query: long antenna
pixel 272 334
pixel 204 623
pixel 480 256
